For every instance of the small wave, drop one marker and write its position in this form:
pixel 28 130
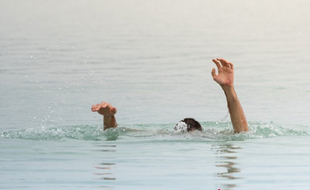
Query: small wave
pixel 213 131
pixel 56 133
pixel 258 130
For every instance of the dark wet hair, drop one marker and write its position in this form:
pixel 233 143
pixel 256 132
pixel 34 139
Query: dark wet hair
pixel 192 124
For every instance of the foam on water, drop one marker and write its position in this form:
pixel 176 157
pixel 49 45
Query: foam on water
pixel 213 131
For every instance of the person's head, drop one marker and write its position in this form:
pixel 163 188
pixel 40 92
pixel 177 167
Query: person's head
pixel 188 124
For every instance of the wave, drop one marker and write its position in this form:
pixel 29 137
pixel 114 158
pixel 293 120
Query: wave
pixel 213 131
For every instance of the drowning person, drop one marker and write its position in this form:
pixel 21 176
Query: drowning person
pixel 224 77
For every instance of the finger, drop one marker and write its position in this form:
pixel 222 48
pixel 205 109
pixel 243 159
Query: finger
pixel 213 73
pixel 93 108
pixel 224 62
pixel 217 63
pixel 113 110
pixel 231 65
pixel 98 107
pixel 102 104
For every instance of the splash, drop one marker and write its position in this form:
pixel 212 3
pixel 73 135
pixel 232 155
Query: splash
pixel 258 130
pixel 56 133
pixel 213 131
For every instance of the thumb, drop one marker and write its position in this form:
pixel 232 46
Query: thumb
pixel 213 73
pixel 93 108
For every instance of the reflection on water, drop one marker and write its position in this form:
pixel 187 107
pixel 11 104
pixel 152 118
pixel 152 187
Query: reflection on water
pixel 105 169
pixel 227 159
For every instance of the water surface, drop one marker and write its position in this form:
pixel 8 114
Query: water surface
pixel 152 60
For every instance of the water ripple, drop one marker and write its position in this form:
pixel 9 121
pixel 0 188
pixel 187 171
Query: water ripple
pixel 213 131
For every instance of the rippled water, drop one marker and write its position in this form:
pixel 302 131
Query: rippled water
pixel 214 131
pixel 155 157
pixel 151 59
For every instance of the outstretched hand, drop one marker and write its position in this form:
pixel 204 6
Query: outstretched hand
pixel 225 76
pixel 104 108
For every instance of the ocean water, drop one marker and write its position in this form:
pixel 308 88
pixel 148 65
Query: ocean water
pixel 152 60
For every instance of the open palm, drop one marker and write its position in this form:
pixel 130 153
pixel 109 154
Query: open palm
pixel 225 76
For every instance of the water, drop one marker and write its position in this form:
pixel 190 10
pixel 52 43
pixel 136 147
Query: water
pixel 152 60
pixel 157 158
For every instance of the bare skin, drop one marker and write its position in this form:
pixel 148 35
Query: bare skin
pixel 108 112
pixel 225 78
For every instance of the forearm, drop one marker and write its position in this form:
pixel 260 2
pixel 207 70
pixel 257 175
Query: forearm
pixel 237 116
pixel 109 122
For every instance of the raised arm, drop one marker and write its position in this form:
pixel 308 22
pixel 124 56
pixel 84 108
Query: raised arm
pixel 225 78
pixel 108 112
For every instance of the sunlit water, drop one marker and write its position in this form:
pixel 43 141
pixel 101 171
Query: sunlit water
pixel 152 60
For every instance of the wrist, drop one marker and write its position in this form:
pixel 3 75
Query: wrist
pixel 230 93
pixel 108 118
pixel 228 88
pixel 109 122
